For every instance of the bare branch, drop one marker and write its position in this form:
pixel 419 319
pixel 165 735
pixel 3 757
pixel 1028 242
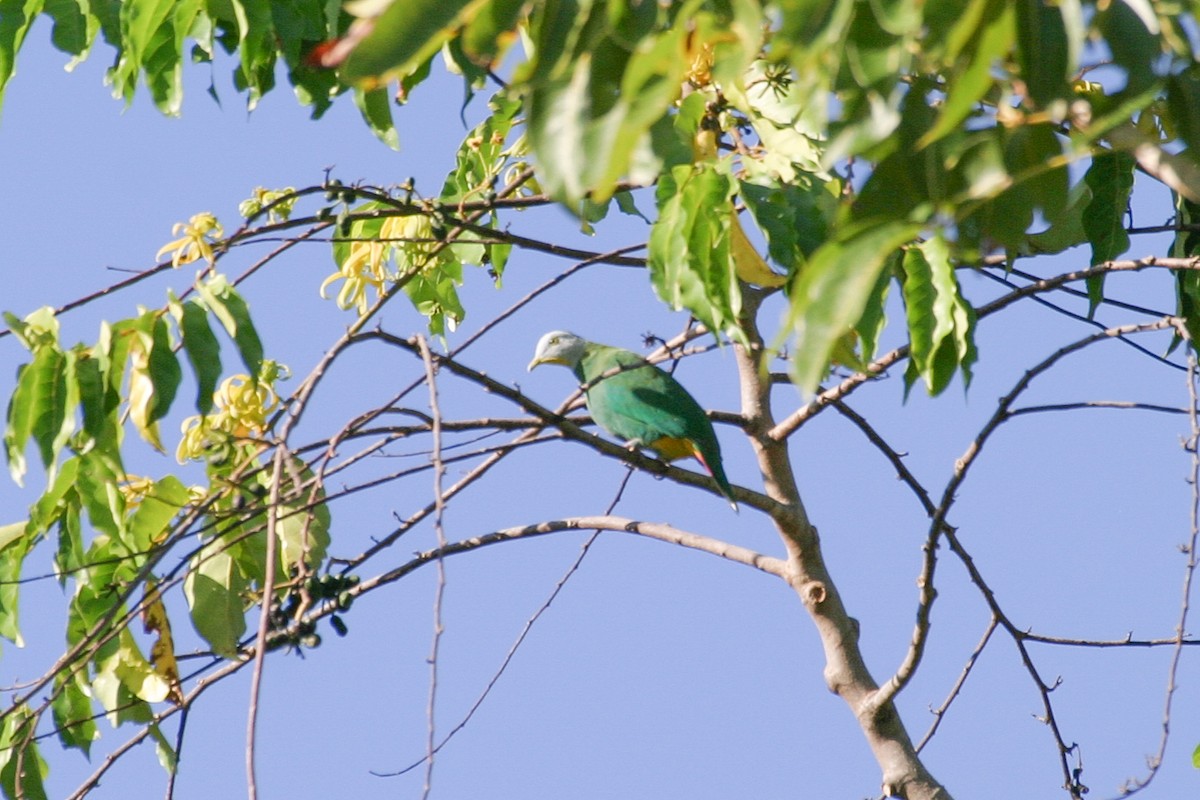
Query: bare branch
pixel 1077 406
pixel 826 397
pixel 439 501
pixel 940 712
pixel 1193 447
pixel 653 530
pixel 846 674
pixel 516 645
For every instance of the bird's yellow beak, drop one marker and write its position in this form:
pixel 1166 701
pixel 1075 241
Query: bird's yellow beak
pixel 539 360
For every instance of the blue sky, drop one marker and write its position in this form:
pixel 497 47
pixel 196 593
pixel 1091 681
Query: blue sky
pixel 658 672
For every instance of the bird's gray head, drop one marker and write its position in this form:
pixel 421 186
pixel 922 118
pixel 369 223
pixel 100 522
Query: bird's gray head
pixel 558 347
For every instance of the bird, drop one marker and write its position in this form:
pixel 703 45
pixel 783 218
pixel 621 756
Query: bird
pixel 637 402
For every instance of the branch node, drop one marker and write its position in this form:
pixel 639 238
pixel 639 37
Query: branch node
pixel 813 592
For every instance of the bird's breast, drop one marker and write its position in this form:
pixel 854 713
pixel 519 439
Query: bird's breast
pixel 670 448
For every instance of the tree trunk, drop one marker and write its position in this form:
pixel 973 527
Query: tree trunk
pixel 903 774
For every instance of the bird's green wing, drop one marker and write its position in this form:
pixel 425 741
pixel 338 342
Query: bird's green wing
pixel 640 403
pixel 637 401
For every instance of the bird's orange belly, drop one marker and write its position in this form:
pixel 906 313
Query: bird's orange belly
pixel 670 448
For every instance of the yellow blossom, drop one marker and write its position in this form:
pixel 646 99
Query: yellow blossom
pixel 281 208
pixel 134 489
pixel 199 233
pixel 241 411
pixel 247 404
pixel 408 239
pixel 195 439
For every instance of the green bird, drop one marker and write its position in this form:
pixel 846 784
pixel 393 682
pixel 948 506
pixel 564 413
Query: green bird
pixel 636 401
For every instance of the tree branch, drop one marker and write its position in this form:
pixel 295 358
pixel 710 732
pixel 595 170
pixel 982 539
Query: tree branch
pixel 846 674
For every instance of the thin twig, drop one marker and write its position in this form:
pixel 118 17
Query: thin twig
pixel 1154 762
pixel 940 712
pixel 183 717
pixel 1086 320
pixel 653 530
pixel 439 592
pixel 1112 404
pixel 520 640
pixel 264 618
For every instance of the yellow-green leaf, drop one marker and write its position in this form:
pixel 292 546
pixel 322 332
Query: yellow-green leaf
pixel 213 588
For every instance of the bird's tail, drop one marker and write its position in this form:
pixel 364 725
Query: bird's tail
pixel 717 470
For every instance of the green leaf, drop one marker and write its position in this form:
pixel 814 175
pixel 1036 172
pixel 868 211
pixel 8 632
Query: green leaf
pixel 143 26
pixel 11 532
pixel 483 155
pixel 407 33
pixel 1110 177
pixel 151 521
pixel 627 205
pixel 940 322
pixel 689 251
pixel 22 768
pixel 163 368
pixel 596 94
pixel 99 402
pixel 256 48
pixel 12 557
pixel 303 531
pixel 136 673
pixel 162 61
pixel 37 409
pixel 873 53
pixel 203 350
pixel 72 710
pixel 1134 42
pixel 874 317
pixel 234 315
pixel 298 24
pixel 783 117
pixel 433 292
pixel 154 374
pixel 167 757
pixel 69 558
pixel 1004 195
pixel 125 682
pixel 15 20
pixel 1196 757
pixel 375 105
pixel 832 290
pixel 990 24
pixel 99 490
pixel 74 27
pixel 49 508
pixel 794 217
pixel 488 36
pixel 1034 155
pixel 213 588
pixel 1183 104
pixel 1065 228
pixel 1046 54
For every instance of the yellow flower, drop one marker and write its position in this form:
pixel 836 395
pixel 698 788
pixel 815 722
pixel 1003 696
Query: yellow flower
pixel 241 409
pixel 134 489
pixel 413 237
pixel 408 240
pixel 199 233
pixel 266 197
pixel 195 438
pixel 246 404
